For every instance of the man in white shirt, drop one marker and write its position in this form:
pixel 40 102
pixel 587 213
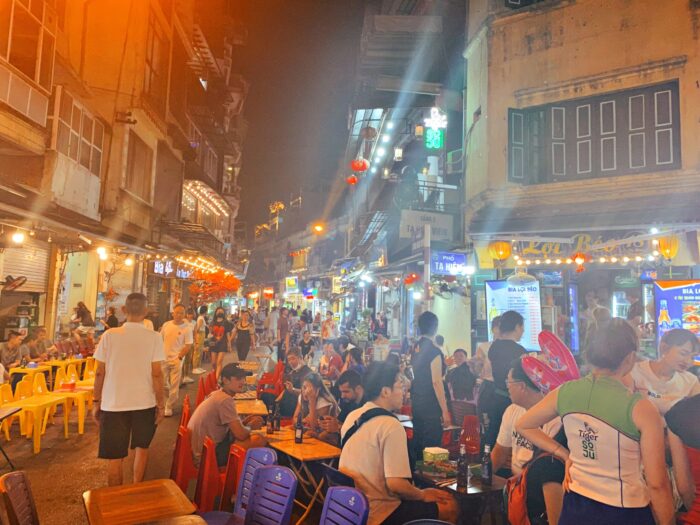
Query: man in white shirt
pixel 177 342
pixel 511 450
pixel 376 457
pixel 666 381
pixel 128 393
pixel 272 324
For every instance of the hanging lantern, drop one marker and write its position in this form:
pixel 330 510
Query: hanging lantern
pixel 359 165
pixel 668 246
pixel 499 250
pixel 411 278
pixel 352 180
pixel 580 259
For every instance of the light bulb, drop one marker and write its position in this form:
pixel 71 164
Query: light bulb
pixel 18 237
pixel 129 261
pixel 101 250
pixel 103 256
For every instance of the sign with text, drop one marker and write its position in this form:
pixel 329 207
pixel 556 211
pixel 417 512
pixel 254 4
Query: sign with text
pixel 170 269
pixel 677 306
pixel 502 296
pixel 448 263
pixel 441 224
pixel 291 284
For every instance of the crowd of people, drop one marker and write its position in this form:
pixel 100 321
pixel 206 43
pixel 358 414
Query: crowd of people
pixel 589 450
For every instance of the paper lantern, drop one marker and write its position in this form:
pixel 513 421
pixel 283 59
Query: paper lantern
pixel 668 246
pixel 352 180
pixel 359 165
pixel 499 250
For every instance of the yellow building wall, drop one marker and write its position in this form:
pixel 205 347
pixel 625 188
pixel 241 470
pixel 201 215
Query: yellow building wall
pixel 575 49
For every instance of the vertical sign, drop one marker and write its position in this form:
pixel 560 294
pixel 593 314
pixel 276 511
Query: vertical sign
pixel 502 296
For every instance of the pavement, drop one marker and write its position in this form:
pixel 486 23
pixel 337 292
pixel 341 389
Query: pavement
pixel 65 468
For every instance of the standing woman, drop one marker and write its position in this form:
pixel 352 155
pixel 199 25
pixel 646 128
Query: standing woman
pixel 200 334
pixel 613 436
pixel 220 339
pixel 684 442
pixel 244 335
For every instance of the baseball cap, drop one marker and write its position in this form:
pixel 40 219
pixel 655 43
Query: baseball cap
pixel 233 370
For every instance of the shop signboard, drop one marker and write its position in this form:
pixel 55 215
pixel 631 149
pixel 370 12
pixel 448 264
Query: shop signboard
pixel 441 224
pixel 337 286
pixel 523 298
pixel 677 306
pixel 448 263
pixel 291 284
pixel 170 269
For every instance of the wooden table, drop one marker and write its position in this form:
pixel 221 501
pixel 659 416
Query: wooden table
pixel 192 519
pixel 473 500
pixel 154 500
pixel 300 456
pixel 254 407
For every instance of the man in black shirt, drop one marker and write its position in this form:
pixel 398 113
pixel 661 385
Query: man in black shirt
pixel 502 353
pixel 429 403
pixel 460 379
pixel 295 374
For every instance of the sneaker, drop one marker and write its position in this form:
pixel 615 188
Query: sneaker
pixel 198 371
pixel 168 412
pixel 187 380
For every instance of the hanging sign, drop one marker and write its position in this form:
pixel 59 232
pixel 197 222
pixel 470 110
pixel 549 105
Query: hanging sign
pixel 448 263
pixel 291 284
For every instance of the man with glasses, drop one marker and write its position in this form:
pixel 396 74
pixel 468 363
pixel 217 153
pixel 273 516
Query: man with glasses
pixel 513 452
pixel 375 455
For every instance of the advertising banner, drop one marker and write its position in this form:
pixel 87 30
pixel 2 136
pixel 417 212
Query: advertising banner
pixel 502 296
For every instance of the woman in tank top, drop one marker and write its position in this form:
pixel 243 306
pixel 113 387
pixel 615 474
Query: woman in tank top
pixel 613 435
pixel 684 441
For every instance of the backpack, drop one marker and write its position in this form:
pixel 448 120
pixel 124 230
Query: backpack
pixel 516 494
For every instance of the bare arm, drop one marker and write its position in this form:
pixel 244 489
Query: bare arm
pixel 529 426
pixel 404 489
pixel 499 456
pixel 157 375
pixel 439 388
pixel 648 420
pixel 239 430
pixel 97 390
pixel 681 469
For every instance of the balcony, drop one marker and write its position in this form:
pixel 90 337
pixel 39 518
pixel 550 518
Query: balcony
pixel 73 186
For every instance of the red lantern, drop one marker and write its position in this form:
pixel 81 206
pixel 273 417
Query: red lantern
pixel 352 180
pixel 359 165
pixel 580 259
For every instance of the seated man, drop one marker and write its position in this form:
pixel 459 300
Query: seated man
pixel 375 455
pixel 460 379
pixel 545 475
pixel 217 418
pixel 294 376
pixel 45 345
pixel 351 398
pixel 30 348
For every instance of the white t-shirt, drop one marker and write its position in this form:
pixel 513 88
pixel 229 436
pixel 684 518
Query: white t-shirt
pixel 202 325
pixel 664 394
pixel 522 448
pixel 175 336
pixel 127 352
pixel 377 451
pixel 148 324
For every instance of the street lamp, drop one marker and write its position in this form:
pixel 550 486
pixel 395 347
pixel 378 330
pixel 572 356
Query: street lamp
pixel 318 228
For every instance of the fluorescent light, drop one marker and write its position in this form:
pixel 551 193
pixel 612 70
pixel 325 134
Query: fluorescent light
pixel 373 170
pixel 386 138
pixel 381 152
pixel 389 125
pixel 654 230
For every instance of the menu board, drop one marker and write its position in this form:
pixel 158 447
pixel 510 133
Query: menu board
pixel 677 306
pixel 502 296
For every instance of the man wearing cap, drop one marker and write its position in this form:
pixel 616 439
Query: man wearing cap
pixel 217 418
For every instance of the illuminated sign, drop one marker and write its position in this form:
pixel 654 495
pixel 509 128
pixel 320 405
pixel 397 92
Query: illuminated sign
pixel 170 269
pixel 434 136
pixel 291 284
pixel 448 263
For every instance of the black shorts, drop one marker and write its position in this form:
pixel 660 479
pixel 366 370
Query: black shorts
pixel 412 510
pixel 546 469
pixel 118 429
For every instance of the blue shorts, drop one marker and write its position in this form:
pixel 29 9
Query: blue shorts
pixel 579 509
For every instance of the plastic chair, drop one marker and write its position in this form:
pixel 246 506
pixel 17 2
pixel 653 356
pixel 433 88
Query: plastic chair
pixel 201 395
pixel 344 506
pixel 6 397
pixel 19 501
pixel 273 496
pixel 209 482
pixel 89 372
pixel 232 476
pixel 72 375
pixel 185 416
pixel 183 469
pixel 210 383
pixel 59 379
pixel 271 382
pixel 336 478
pixel 255 458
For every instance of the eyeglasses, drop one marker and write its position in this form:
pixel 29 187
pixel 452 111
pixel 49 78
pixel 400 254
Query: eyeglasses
pixel 508 382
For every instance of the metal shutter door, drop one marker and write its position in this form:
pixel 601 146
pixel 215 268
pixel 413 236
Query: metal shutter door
pixel 32 261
